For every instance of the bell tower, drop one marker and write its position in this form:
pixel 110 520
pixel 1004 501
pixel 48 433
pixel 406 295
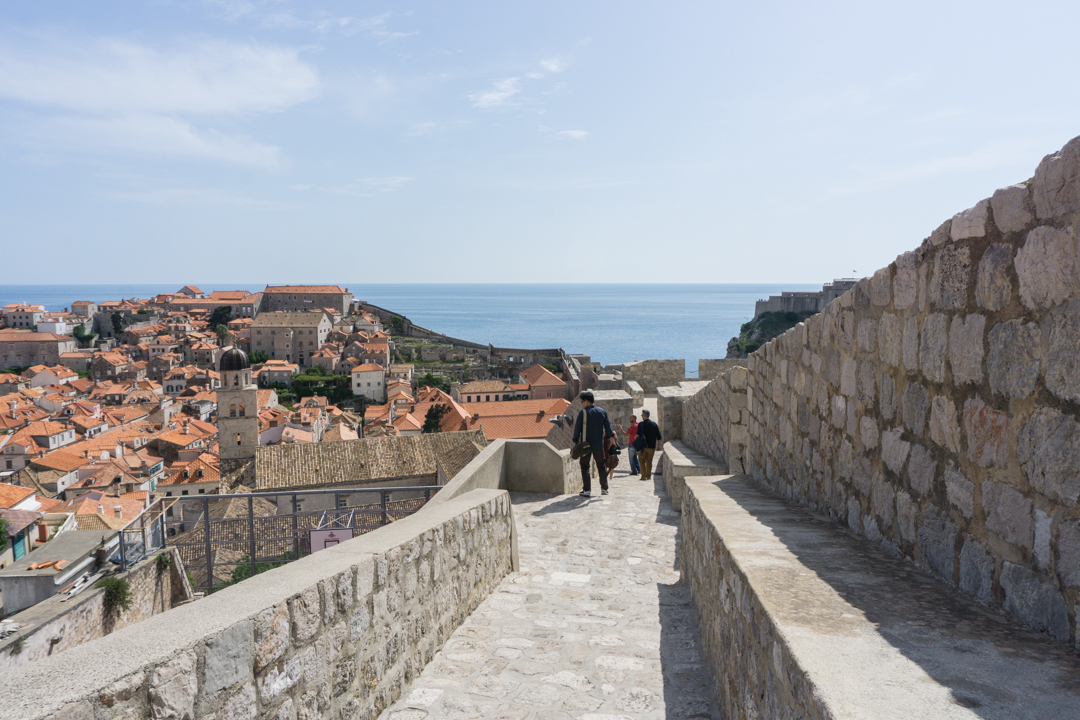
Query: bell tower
pixel 237 408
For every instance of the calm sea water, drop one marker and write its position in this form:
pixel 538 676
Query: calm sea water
pixel 612 323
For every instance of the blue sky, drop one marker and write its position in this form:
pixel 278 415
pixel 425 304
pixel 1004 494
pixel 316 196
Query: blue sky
pixel 256 141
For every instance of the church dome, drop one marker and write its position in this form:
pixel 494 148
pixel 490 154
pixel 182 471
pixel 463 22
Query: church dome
pixel 234 359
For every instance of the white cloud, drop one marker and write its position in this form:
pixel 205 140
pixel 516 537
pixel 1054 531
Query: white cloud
pixel 500 94
pixel 181 196
pixel 553 65
pixel 573 134
pixel 96 95
pixel 104 76
pixel 154 135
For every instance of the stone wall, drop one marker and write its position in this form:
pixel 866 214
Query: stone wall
pixel 716 419
pixel 934 407
pixel 337 634
pixel 711 369
pixel 61 623
pixel 651 374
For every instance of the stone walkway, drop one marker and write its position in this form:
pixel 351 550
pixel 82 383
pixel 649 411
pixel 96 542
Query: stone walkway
pixel 595 625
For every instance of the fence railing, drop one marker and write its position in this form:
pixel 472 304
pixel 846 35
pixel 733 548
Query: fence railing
pixel 143 535
pixel 223 539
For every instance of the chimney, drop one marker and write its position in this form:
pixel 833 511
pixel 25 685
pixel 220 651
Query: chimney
pixel 101 510
pixel 118 511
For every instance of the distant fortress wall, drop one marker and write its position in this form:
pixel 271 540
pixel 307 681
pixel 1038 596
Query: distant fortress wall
pixel 804 301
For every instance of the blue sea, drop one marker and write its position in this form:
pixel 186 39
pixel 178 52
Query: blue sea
pixel 611 323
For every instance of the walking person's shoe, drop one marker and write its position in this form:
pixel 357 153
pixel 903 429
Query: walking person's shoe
pixel 604 491
pixel 585 493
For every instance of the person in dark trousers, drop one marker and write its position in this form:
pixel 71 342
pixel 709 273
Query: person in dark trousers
pixel 631 433
pixel 653 442
pixel 597 429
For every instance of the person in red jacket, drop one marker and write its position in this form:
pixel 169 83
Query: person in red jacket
pixel 631 433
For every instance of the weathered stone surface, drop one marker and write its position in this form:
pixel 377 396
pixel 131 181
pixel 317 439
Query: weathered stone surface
pixel 1049 450
pixel 942 235
pixel 911 344
pixel 971 223
pixel 173 687
pixel 905 281
pixel 280 677
pixel 894 450
pixel 1056 189
pixel 1037 604
pixel 228 657
pixel 932 350
pixel 890 339
pixel 1046 267
pixel 271 636
pixel 966 348
pixel 1068 565
pixel 241 706
pixel 1008 513
pixel 867 335
pixel 306 615
pixel 849 378
pixel 879 287
pixel 906 516
pixel 1044 555
pixel 949 281
pixel 1013 362
pixel 993 289
pixel 1063 357
pixel 921 469
pixel 868 432
pixel 1013 208
pixel 987 432
pixel 977 571
pixel 887 392
pixel 937 541
pixel 915 404
pixel 961 492
pixel 944 428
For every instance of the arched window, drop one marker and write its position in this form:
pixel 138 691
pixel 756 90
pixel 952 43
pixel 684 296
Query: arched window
pixel 236 380
pixel 232 410
pixel 242 410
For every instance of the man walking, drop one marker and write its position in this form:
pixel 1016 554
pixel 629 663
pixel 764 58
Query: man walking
pixel 631 433
pixel 653 442
pixel 593 426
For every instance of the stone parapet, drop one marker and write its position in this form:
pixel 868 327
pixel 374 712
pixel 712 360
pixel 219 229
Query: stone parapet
pixel 633 389
pixel 651 374
pixel 711 369
pixel 669 410
pixel 716 418
pixel 335 634
pixel 679 462
pixel 801 619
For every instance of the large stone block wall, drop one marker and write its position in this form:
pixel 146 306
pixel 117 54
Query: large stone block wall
pixel 717 418
pixel 935 407
pixel 651 374
pixel 338 634
pixel 711 369
pixel 61 623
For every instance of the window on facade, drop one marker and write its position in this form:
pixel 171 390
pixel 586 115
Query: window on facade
pixel 183 492
pixel 242 410
pixel 232 410
pixel 202 491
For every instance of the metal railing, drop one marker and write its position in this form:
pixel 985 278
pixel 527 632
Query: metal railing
pixel 143 535
pixel 223 539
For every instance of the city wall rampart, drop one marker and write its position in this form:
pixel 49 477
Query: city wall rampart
pixel 935 407
pixel 651 374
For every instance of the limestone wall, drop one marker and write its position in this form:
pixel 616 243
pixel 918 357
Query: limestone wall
pixel 934 407
pixel 651 374
pixel 711 369
pixel 717 417
pixel 337 634
pixel 61 623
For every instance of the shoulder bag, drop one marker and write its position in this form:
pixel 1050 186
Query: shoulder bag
pixel 582 448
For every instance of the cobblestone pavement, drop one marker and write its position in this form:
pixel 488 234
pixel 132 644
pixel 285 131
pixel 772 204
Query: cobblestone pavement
pixel 594 626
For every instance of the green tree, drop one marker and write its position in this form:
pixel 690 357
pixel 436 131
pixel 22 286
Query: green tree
pixel 221 316
pixel 258 356
pixel 223 335
pixel 83 338
pixel 117 322
pixel 435 381
pixel 433 419
pixel 3 534
pixel 142 311
pixel 397 324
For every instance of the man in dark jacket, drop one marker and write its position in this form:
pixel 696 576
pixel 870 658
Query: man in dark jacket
pixel 597 430
pixel 653 442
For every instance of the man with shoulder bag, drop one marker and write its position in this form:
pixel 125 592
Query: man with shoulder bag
pixel 592 429
pixel 648 437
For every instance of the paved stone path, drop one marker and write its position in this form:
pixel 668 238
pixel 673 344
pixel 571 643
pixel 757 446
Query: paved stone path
pixel 595 625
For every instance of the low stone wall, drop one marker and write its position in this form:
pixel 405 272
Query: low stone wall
pixel 337 634
pixel 802 619
pixel 711 369
pixel 669 410
pixel 651 374
pixel 61 623
pixel 932 408
pixel 716 419
pixel 679 462
pixel 633 389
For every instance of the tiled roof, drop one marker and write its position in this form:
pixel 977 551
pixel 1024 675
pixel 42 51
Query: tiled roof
pixel 360 461
pixel 301 289
pixel 540 376
pixel 517 419
pixel 18 520
pixel 479 386
pixel 13 494
pixel 367 367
